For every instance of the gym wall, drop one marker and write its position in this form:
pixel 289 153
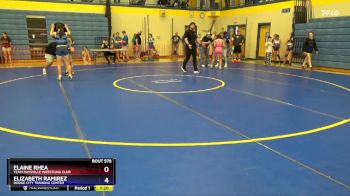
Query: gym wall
pixel 330 8
pixel 331 24
pixel 132 20
pixel 281 23
pixel 86 25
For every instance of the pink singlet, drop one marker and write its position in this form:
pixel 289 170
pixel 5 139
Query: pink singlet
pixel 219 49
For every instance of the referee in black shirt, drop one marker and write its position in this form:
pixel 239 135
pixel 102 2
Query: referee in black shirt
pixel 191 48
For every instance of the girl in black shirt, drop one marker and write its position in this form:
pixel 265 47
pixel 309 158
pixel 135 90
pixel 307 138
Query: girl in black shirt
pixel 289 51
pixel 138 42
pixel 276 49
pixel 308 47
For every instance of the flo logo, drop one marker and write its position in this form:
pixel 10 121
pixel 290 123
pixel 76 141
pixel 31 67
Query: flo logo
pixel 330 12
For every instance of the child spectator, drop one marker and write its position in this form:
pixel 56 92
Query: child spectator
pixel 151 46
pixel 268 54
pixel 86 55
pixel 176 40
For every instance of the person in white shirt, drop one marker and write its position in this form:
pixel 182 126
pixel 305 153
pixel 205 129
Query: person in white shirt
pixel 268 51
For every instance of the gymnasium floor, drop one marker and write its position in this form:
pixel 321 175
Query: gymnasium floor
pixel 246 130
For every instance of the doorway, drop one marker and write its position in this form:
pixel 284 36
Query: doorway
pixel 37 35
pixel 263 34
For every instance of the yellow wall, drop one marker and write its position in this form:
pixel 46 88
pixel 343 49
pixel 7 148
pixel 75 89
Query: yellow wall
pixel 342 7
pixel 252 16
pixel 160 27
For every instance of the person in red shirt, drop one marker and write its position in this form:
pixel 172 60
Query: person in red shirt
pixel 6 45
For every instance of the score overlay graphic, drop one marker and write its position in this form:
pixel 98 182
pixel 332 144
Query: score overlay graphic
pixel 97 174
